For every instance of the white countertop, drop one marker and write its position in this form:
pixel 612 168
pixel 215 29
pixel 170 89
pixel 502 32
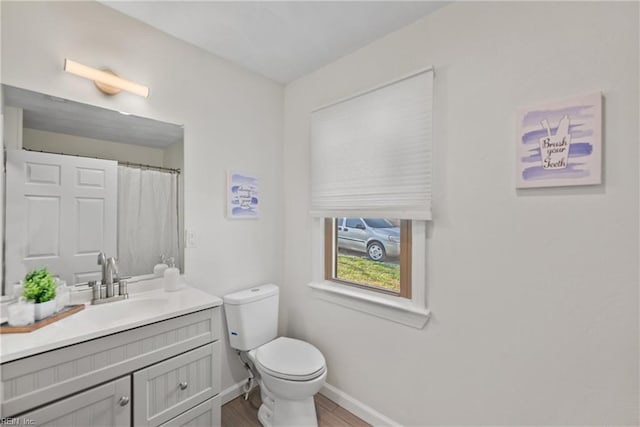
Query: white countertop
pixel 95 321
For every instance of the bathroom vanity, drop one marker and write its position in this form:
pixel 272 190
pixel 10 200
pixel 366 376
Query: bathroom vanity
pixel 151 360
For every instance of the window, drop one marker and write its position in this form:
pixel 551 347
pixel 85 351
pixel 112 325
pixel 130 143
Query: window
pixel 372 253
pixel 370 164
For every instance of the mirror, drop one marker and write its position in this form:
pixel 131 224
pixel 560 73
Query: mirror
pixel 81 180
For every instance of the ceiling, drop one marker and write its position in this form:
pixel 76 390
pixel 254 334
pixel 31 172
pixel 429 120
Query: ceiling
pixel 53 114
pixel 282 40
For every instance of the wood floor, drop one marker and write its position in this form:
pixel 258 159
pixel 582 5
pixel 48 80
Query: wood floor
pixel 241 413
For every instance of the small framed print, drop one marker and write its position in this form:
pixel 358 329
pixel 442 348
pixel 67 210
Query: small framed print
pixel 243 198
pixel 560 144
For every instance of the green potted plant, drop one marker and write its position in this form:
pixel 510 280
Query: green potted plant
pixel 40 288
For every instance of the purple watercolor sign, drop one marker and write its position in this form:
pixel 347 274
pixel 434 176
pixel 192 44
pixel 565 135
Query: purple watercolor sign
pixel 560 144
pixel 243 199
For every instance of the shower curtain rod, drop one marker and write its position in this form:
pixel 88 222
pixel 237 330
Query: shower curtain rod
pixel 140 165
pixel 136 165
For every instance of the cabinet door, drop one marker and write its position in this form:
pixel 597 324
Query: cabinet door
pixel 105 405
pixel 206 414
pixel 165 390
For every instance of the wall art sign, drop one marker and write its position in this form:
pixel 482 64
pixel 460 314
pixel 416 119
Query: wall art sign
pixel 242 195
pixel 560 144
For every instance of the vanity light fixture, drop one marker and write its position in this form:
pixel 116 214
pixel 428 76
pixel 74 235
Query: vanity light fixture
pixel 106 81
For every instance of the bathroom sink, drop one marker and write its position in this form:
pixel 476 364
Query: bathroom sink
pixel 120 311
pixel 148 303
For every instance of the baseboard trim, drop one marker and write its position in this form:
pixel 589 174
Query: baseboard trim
pixel 348 402
pixel 356 407
pixel 231 392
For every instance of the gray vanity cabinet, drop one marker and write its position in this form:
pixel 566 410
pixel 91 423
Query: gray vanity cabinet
pixel 163 373
pixel 103 406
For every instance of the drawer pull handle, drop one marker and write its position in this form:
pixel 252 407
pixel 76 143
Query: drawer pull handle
pixel 183 385
pixel 124 400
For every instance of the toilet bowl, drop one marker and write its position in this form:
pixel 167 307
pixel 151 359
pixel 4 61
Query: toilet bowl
pixel 290 371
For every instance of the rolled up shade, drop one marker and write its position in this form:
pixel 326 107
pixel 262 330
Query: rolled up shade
pixel 371 153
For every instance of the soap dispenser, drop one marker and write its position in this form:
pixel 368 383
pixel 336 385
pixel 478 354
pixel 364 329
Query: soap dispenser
pixel 158 269
pixel 171 276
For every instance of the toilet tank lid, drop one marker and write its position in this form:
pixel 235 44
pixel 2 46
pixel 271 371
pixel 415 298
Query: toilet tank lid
pixel 250 295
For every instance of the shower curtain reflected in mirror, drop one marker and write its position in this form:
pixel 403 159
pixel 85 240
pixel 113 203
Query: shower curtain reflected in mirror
pixel 147 219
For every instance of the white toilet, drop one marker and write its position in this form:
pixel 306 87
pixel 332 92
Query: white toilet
pixel 290 371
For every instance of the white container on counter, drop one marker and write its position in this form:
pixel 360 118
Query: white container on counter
pixel 171 277
pixel 21 313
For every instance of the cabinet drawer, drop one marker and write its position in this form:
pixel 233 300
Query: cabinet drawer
pixel 206 414
pixel 45 377
pixel 106 405
pixel 169 388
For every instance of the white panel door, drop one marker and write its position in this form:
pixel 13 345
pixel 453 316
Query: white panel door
pixel 61 211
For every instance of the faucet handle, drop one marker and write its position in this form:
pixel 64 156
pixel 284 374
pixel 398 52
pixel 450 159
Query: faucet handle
pixel 113 264
pixel 95 288
pixel 102 258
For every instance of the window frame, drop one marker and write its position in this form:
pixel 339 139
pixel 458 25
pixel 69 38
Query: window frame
pixel 331 258
pixel 411 312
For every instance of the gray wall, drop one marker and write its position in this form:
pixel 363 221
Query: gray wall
pixel 232 119
pixel 534 293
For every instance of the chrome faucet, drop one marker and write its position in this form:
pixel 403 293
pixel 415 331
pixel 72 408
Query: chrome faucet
pixel 112 272
pixel 102 260
pixel 105 290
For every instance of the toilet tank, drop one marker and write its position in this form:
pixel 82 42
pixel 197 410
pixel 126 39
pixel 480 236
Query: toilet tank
pixel 252 316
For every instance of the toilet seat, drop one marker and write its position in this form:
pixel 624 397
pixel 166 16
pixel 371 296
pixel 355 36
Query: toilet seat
pixel 290 359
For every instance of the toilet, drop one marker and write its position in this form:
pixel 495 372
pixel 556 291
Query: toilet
pixel 290 371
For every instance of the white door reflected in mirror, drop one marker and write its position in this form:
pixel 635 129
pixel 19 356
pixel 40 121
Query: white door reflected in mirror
pixel 64 206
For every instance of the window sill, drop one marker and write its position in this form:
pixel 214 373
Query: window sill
pixel 399 310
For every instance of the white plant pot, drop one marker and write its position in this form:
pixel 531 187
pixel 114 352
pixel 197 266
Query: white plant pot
pixel 45 309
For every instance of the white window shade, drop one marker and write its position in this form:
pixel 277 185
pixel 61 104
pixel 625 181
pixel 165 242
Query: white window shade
pixel 371 153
